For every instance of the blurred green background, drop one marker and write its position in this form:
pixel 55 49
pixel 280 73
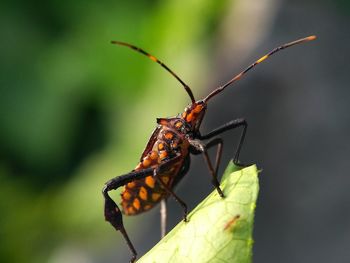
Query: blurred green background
pixel 76 111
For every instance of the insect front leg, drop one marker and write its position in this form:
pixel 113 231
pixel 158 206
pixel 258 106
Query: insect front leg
pixel 230 126
pixel 112 212
pixel 198 147
pixel 219 142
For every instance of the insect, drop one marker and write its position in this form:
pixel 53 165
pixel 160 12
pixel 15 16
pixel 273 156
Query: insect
pixel 166 158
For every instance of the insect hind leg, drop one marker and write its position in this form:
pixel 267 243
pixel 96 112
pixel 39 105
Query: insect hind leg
pixel 114 216
pixel 112 212
pixel 156 174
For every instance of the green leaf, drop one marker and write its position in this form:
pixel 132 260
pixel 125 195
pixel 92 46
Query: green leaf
pixel 219 229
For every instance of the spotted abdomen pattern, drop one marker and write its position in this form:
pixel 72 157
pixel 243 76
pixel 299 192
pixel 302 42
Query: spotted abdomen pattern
pixel 141 195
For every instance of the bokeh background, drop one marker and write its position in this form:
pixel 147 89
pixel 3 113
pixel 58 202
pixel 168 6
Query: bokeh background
pixel 76 111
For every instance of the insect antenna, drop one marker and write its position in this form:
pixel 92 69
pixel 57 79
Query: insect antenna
pixel 240 75
pixel 187 88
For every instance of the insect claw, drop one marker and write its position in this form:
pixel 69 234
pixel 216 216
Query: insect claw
pixel 239 164
pixel 220 192
pixel 185 218
pixel 133 258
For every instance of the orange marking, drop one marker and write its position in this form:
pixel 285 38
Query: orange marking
pixel 310 38
pixel 153 58
pixel 174 145
pixel 147 207
pixel 160 146
pixel 150 181
pixel 178 124
pixel 143 193
pixel 126 195
pixel 130 210
pixel 165 179
pixel 163 154
pixel 184 115
pixel 131 185
pixel 163 121
pixel 169 135
pixel 198 108
pixel 146 162
pixel 189 117
pixel 136 203
pixel 262 59
pixel 138 167
pixel 154 155
pixel 155 197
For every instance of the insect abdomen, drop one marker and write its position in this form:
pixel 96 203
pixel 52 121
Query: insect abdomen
pixel 143 194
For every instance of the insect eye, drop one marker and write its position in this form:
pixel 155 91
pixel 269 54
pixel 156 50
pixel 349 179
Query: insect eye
pixel 198 108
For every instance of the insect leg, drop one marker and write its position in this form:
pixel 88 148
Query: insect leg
pixel 171 192
pixel 163 217
pixel 112 212
pixel 199 147
pixel 230 126
pixel 163 207
pixel 156 174
pixel 220 143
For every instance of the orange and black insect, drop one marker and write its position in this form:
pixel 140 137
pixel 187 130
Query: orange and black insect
pixel 166 158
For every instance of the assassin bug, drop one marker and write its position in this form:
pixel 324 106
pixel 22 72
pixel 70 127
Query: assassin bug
pixel 166 158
